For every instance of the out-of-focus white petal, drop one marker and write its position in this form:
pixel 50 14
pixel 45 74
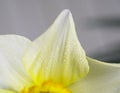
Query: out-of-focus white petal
pixel 57 54
pixel 12 74
pixel 102 78
pixel 6 91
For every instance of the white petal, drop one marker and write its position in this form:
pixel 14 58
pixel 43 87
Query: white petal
pixel 6 91
pixel 57 54
pixel 102 78
pixel 12 74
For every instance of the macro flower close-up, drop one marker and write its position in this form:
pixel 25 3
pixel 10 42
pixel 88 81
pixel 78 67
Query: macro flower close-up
pixel 55 62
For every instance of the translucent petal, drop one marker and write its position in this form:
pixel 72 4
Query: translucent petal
pixel 12 74
pixel 102 78
pixel 57 54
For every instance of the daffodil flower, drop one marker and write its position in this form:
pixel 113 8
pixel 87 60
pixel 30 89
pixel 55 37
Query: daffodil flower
pixel 54 63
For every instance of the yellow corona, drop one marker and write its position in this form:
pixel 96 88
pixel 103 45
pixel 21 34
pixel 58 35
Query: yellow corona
pixel 46 87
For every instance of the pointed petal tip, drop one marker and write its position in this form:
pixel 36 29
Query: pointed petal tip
pixel 66 12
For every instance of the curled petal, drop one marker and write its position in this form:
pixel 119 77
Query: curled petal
pixel 102 78
pixel 57 54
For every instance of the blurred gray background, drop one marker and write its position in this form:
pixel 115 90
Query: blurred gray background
pixel 97 22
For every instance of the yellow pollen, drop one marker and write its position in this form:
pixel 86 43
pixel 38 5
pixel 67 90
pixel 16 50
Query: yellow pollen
pixel 46 87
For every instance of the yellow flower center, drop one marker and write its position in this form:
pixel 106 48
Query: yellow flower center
pixel 46 87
